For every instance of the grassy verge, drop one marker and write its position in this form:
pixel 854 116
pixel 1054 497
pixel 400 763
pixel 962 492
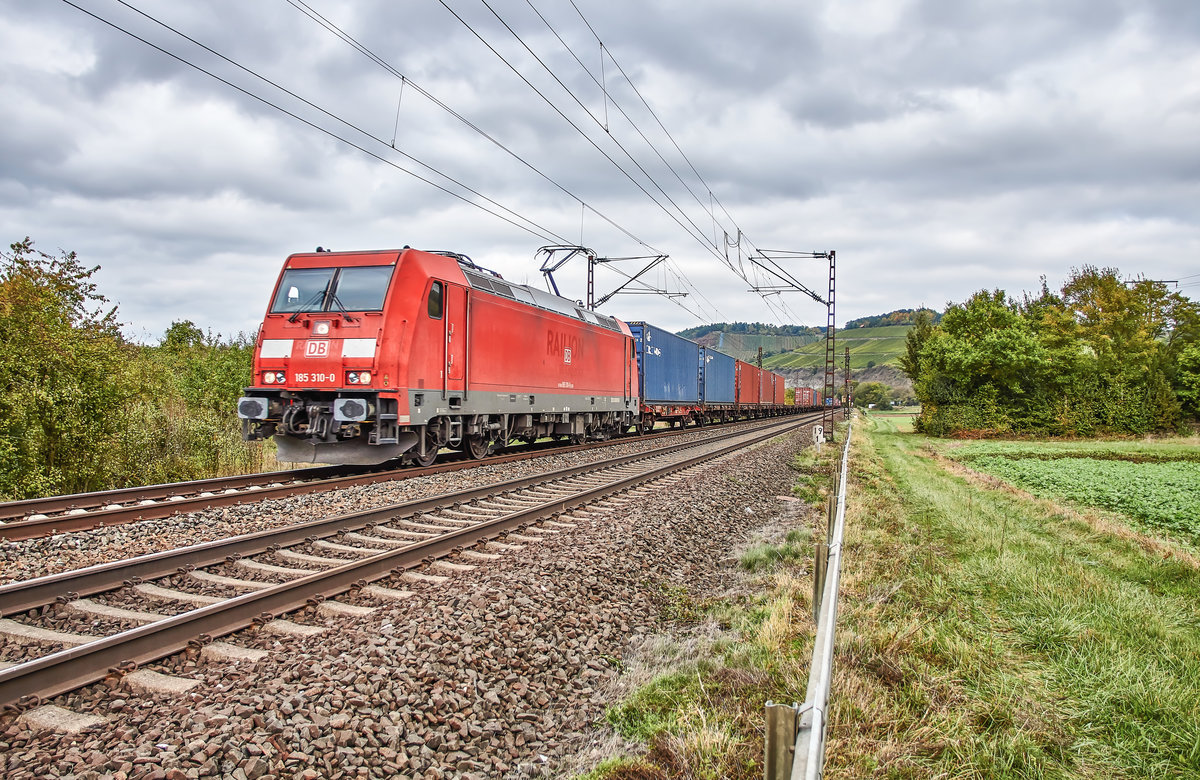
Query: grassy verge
pixel 987 633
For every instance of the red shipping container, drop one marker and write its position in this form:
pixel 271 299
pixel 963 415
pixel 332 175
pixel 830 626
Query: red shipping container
pixel 749 384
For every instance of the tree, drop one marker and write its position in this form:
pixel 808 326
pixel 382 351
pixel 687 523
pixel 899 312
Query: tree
pixel 62 374
pixel 868 393
pixel 182 335
pixel 208 371
pixel 914 341
pixel 1188 379
pixel 1100 356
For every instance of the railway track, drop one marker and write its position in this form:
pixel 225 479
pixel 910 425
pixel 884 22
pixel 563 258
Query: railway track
pixel 163 603
pixel 33 518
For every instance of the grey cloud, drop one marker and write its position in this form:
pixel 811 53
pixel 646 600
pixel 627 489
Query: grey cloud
pixel 939 148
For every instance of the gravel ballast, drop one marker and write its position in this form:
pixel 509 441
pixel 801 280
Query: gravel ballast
pixel 500 671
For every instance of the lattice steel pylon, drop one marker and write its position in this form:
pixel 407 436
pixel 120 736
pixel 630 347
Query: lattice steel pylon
pixel 827 416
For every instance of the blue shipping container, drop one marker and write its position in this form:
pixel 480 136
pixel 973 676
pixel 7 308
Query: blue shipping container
pixel 668 366
pixel 718 377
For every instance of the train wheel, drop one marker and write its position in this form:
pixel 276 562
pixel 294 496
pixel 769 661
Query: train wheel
pixel 431 453
pixel 476 447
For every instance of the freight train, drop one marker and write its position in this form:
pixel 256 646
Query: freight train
pixel 363 357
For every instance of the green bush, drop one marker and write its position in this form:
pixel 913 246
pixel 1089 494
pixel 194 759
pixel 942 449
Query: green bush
pixel 82 408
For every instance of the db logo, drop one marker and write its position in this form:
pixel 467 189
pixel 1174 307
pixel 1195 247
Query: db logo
pixel 316 349
pixel 567 355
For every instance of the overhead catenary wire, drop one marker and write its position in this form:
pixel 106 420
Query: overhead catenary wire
pixel 740 233
pixel 757 281
pixel 532 227
pixel 659 121
pixel 698 235
pixel 331 115
pixel 567 119
pixel 517 219
pixel 338 32
pixel 712 198
pixel 608 98
pixel 334 29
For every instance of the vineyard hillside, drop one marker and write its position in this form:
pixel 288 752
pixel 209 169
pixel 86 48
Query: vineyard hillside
pixel 869 347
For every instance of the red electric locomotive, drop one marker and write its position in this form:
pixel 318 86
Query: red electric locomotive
pixel 367 356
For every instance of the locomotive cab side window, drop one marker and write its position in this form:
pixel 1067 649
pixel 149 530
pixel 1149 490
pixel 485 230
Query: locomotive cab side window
pixel 435 300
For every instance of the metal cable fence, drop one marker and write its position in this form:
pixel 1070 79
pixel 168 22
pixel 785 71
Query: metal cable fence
pixel 795 741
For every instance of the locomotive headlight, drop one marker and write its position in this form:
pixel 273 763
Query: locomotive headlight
pixel 269 378
pixel 321 328
pixel 358 378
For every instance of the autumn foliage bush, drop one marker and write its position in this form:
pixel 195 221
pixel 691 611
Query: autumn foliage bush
pixel 82 408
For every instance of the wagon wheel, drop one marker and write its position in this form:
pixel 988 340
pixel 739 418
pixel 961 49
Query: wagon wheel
pixel 476 447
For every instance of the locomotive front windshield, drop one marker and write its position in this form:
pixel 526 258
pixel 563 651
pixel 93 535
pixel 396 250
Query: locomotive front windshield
pixel 352 288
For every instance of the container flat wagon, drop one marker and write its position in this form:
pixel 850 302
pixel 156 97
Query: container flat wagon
pixel 668 374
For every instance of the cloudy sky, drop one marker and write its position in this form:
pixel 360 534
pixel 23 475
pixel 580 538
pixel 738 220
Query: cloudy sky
pixel 939 146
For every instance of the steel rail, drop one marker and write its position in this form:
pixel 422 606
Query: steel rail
pixel 31 682
pixel 13 511
pixel 170 502
pixel 22 596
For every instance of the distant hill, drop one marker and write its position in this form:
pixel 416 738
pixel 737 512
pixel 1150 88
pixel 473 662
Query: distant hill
pixel 869 347
pixel 743 339
pixel 897 317
pixel 750 329
pixel 874 341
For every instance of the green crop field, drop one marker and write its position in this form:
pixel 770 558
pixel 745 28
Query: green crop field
pixel 877 346
pixel 1155 483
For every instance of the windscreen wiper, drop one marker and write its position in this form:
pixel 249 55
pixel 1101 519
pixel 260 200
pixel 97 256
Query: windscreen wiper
pixel 316 298
pixel 342 310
